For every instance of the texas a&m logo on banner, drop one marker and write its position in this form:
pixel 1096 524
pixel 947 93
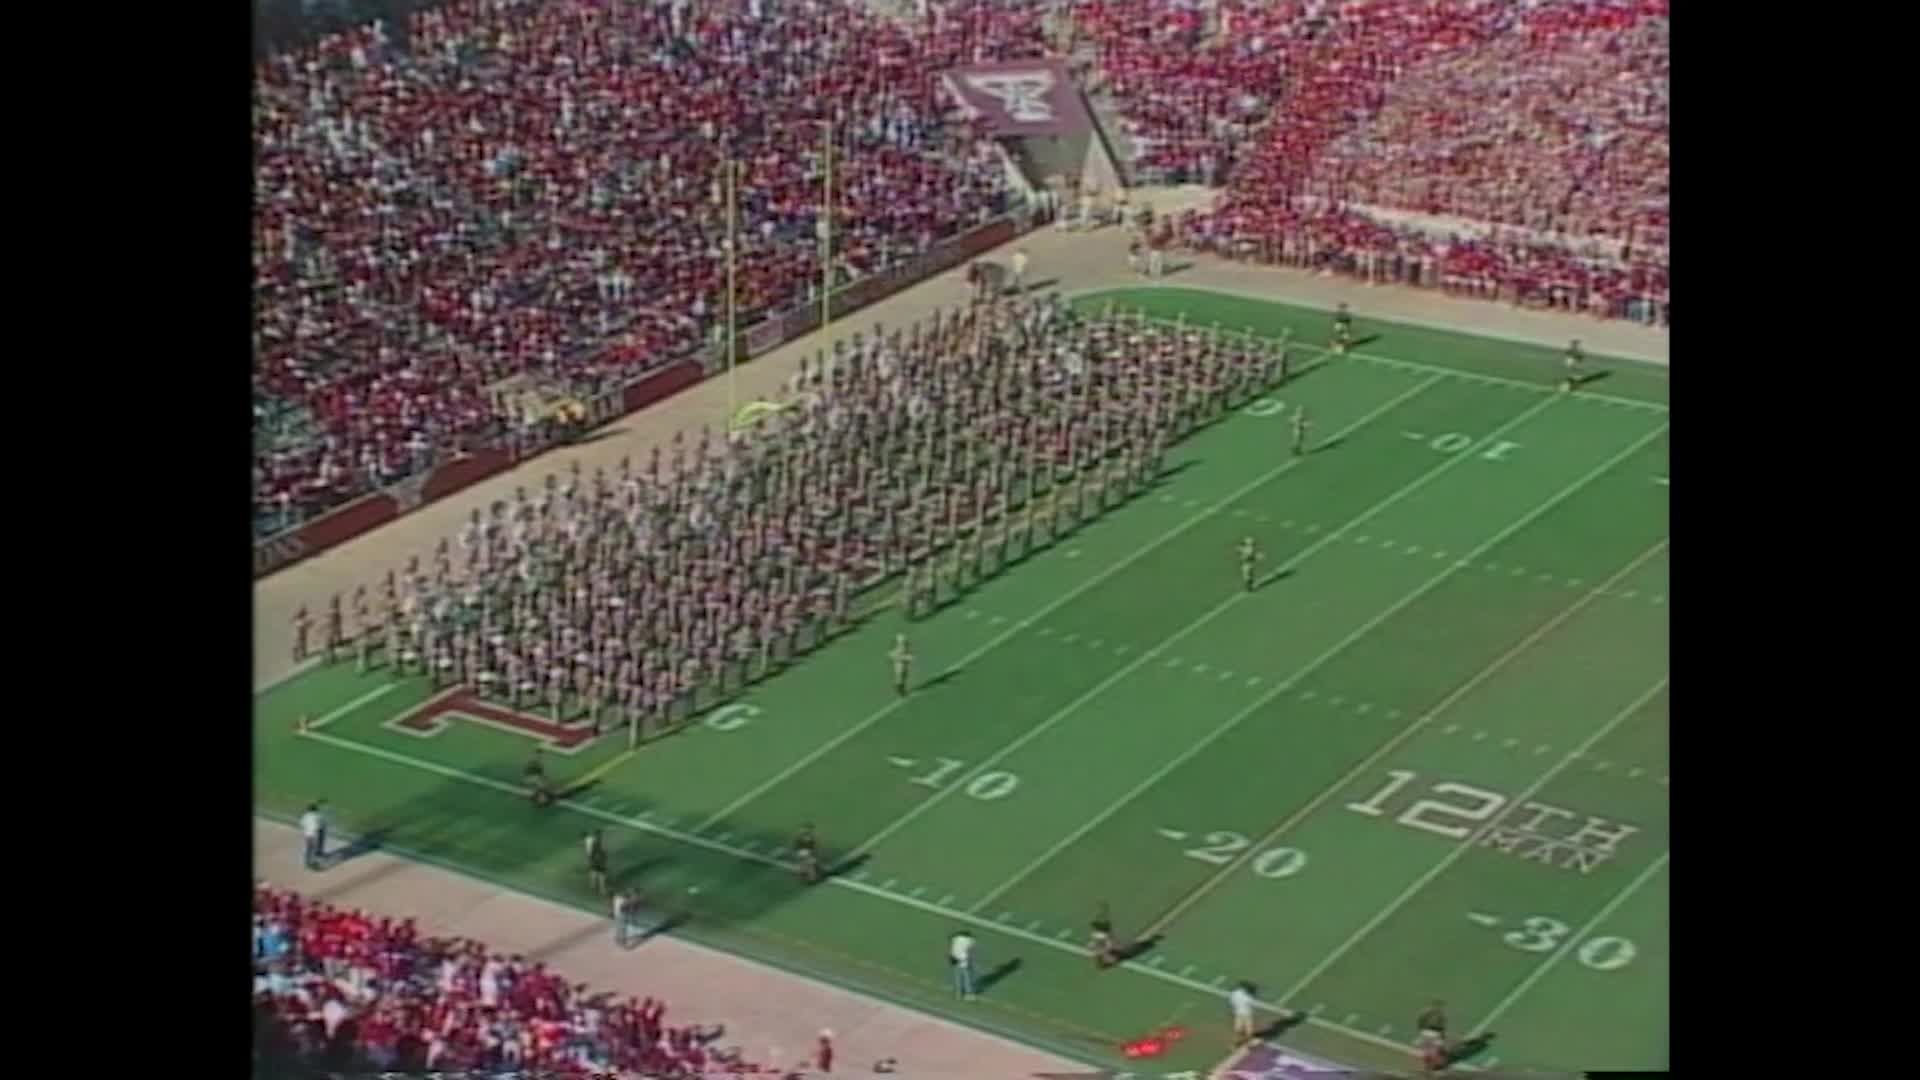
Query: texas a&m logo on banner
pixel 1030 97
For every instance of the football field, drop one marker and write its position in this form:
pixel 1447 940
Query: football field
pixel 1425 757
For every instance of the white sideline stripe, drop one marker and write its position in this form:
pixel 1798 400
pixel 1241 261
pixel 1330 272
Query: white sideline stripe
pixel 1021 624
pixel 692 840
pixel 1420 721
pixel 1568 946
pixel 1219 609
pixel 1462 847
pixel 1662 368
pixel 1457 373
pixel 372 695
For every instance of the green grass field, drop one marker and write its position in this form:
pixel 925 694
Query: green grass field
pixel 1425 758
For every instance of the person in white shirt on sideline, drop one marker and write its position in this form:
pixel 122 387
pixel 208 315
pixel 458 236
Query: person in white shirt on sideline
pixel 1019 271
pixel 960 959
pixel 620 915
pixel 313 833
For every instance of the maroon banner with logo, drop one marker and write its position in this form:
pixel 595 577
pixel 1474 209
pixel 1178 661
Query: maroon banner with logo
pixel 336 526
pixel 1026 97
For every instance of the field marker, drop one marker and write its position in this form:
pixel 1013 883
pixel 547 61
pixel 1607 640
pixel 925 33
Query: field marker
pixel 1253 680
pixel 723 838
pixel 1413 549
pixel 1096 643
pixel 1071 553
pixel 1482 918
pixel 1461 848
pixel 1361 539
pixel 1287 524
pixel 1600 766
pixel 1450 729
pixel 1510 743
pixel 1120 649
pixel 888 886
pixel 1068 639
pixel 1185 971
pixel 1160 924
pixel 1307 695
pixel 996 620
pixel 1630 594
pixel 971 613
pixel 1156 961
pixel 1045 631
pixel 367 698
pixel 1172 834
pixel 1336 701
pixel 947 899
pixel 918 890
pixel 1173 662
pixel 1542 748
pixel 902 762
pixel 1353 1018
pixel 1199 669
pixel 1386 1029
pixel 1479 735
pixel 1000 639
pixel 1634 773
pixel 1031 927
pixel 1225 675
pixel 1568 945
pixel 855 882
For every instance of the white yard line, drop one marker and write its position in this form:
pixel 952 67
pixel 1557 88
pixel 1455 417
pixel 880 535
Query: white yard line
pixel 1146 657
pixel 1167 768
pixel 1573 942
pixel 370 696
pixel 1019 625
pixel 1460 849
pixel 1388 747
pixel 640 825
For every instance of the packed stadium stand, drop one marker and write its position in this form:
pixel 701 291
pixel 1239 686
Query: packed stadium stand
pixel 346 991
pixel 491 204
pixel 527 194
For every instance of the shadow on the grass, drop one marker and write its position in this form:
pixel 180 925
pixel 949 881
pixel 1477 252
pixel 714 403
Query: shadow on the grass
pixel 999 972
pixel 501 836
pixel 1470 1049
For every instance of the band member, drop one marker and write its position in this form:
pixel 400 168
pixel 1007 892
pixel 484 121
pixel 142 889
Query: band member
pixel 336 632
pixel 302 625
pixel 806 848
pixel 535 778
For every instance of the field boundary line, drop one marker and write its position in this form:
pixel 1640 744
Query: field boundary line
pixel 1018 625
pixel 1658 368
pixel 355 705
pixel 1148 655
pixel 1573 941
pixel 1409 365
pixel 692 840
pixel 1473 838
pixel 1166 919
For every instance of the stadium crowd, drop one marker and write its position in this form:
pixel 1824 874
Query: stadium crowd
pixel 528 193
pixel 512 201
pixel 348 991
pixel 1506 151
